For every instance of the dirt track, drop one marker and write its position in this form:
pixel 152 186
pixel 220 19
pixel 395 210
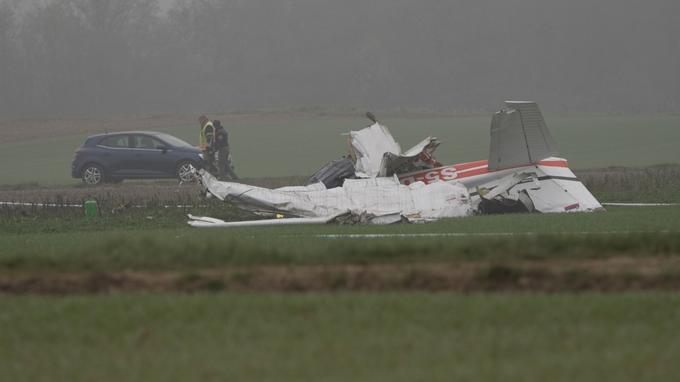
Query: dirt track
pixel 615 274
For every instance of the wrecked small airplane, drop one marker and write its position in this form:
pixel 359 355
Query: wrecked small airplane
pixel 377 183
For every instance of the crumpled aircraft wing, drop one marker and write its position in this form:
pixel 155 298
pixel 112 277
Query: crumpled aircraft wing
pixel 383 199
pixel 519 136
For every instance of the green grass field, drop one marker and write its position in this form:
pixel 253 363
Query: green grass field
pixel 360 336
pixel 298 145
pixel 162 300
pixel 165 242
pixel 341 337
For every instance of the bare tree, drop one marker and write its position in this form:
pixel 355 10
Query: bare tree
pixel 86 54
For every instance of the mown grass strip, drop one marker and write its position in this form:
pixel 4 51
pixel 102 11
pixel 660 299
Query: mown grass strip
pixel 164 241
pixel 154 250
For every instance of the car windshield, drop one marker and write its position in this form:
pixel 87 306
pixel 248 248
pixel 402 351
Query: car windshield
pixel 173 141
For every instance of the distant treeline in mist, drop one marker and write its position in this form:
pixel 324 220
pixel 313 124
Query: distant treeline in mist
pixel 94 57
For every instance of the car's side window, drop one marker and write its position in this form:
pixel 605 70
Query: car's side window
pixel 117 141
pixel 145 142
pixel 158 144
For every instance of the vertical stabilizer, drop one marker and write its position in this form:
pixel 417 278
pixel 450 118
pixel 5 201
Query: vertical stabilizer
pixel 519 136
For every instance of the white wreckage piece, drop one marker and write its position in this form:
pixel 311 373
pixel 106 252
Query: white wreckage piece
pixel 380 200
pixel 378 154
pixel 380 184
pixel 523 168
pixel 539 188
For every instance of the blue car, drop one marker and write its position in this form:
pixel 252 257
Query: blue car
pixel 112 157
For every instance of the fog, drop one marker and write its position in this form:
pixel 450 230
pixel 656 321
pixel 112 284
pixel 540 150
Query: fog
pixel 99 57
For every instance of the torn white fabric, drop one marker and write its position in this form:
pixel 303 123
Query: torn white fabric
pixel 374 196
pixel 378 154
pixel 369 146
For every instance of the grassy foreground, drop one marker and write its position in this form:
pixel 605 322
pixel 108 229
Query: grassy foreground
pixel 166 242
pixel 341 337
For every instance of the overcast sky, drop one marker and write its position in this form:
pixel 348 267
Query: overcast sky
pixel 128 56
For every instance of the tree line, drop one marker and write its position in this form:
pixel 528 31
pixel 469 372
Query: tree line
pixel 95 57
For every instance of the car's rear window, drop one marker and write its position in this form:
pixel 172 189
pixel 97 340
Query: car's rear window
pixel 116 141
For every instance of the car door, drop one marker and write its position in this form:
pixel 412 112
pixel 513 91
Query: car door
pixel 114 153
pixel 149 156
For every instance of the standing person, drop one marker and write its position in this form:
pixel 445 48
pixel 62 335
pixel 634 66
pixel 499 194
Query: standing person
pixel 221 146
pixel 206 141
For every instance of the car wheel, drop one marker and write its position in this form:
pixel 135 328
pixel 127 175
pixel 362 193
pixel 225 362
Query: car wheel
pixel 93 174
pixel 186 171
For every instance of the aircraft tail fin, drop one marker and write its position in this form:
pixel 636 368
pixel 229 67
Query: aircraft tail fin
pixel 519 136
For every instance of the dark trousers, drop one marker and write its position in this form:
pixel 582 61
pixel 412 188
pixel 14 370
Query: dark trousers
pixel 210 156
pixel 224 165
